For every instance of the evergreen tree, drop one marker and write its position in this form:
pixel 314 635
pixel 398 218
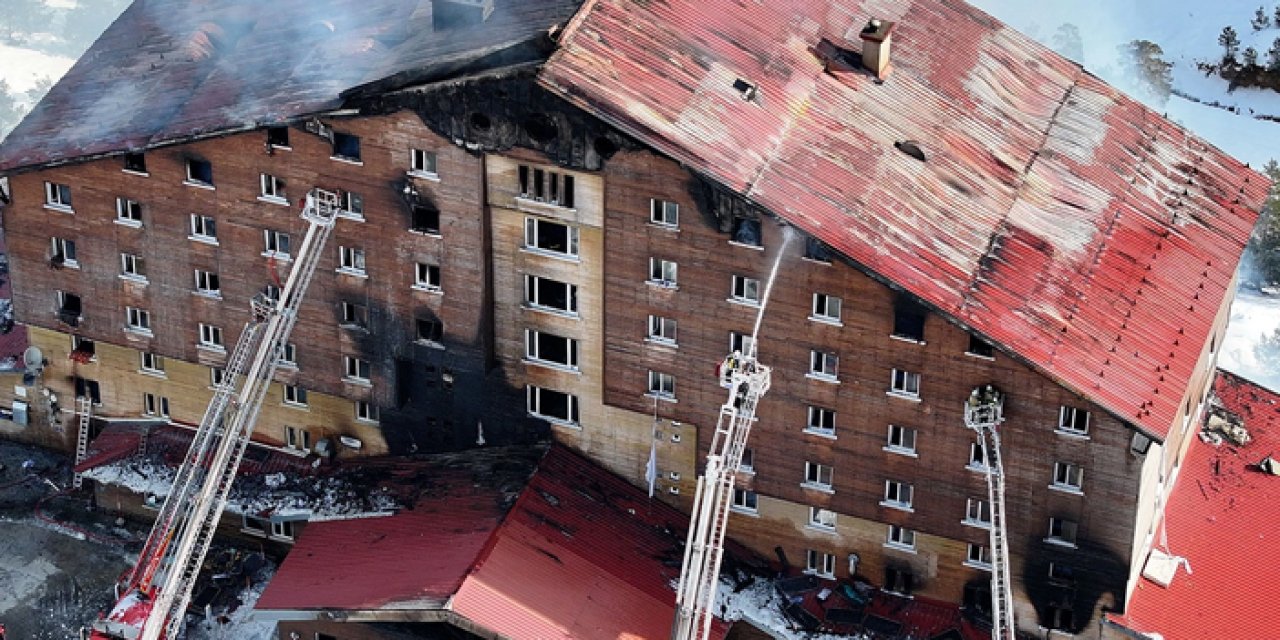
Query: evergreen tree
pixel 1143 65
pixel 1277 12
pixel 1267 351
pixel 1273 56
pixel 1250 57
pixel 1262 256
pixel 1230 42
pixel 1260 19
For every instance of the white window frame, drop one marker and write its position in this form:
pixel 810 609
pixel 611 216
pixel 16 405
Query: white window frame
pixel 898 495
pixel 211 337
pixel 533 351
pixel 437 322
pixel 662 386
pixel 293 395
pixel 203 229
pixel 747 463
pixel 1068 477
pixel 820 563
pixel 424 163
pixel 426 277
pixel 818 476
pixel 534 406
pixel 904 384
pixel 128 212
pixel 57 196
pixel 978 556
pixel 821 422
pixel 534 233
pixel 288 355
pixel 133 267
pixel 137 320
pixel 533 289
pixel 356 369
pixel 151 363
pixel 297 439
pixel 901 538
pixel 351 261
pixel 662 330
pixel 745 501
pixel 217 375
pixel 826 308
pixel 65 248
pixel 896 441
pixel 350 205
pixel 366 411
pixel 273 189
pixel 208 284
pixel 1068 419
pixel 351 315
pixel 664 273
pixel 154 405
pixel 824 366
pixel 536 184
pixel 822 518
pixel 664 213
pixel 272 242
pixel 197 182
pixel 745 290
pixel 974 511
pixel 740 342
pixel 1064 527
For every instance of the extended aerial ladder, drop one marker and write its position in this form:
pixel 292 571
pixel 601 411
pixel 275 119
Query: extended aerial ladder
pixel 155 594
pixel 983 412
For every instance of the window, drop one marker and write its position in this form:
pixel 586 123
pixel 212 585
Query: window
pixel 426 276
pixel 550 236
pixel 662 385
pixel 278 137
pixel 745 500
pixel 1139 444
pixel 69 308
pixel 422 161
pixel 430 330
pixel 977 513
pixel 217 375
pixel 350 205
pixel 207 283
pixel 85 347
pixel 826 308
pixel 57 195
pixel 1062 532
pixel 662 272
pixel 63 252
pixel 351 260
pixel 276 243
pixel 817 476
pixel 905 383
pixel 823 365
pixel 746 232
pixel 289 355
pixel 210 336
pixel 152 363
pixel 977 459
pixel 199 172
pixel 137 319
pixel 898 580
pixel 1061 574
pixel 897 495
pixel 740 342
pixel 552 405
pixel 745 290
pixel 549 294
pixel 346 146
pixel 135 162
pixel 979 347
pixel 821 421
pixel 816 250
pixel 154 405
pixel 356 368
pixel 546 348
pixel 662 329
pixel 295 395
pixel 264 527
pixel 908 319
pixel 203 228
pixel 354 315
pixel 822 518
pixel 128 211
pixel 272 187
pixel 425 219
pixel 1067 476
pixel 1073 421
pixel 901 538
pixel 366 411
pixel 979 556
pixel 820 564
pixel 664 213
pixel 297 439
pixel 901 440
pixel 1061 616
pixel 546 186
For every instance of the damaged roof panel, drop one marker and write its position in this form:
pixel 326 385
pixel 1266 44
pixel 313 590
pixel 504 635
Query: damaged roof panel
pixel 1053 214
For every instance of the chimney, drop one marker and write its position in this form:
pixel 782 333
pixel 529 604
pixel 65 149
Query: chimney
pixel 875 46
pixel 450 14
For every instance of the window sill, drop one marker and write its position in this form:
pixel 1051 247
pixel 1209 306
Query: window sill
pixel 359 382
pixel 295 405
pixel 898 506
pixel 750 471
pixel 153 374
pixel 983 566
pixel 822 488
pixel 753 247
pixel 1074 435
pixel 430 344
pixel 976 524
pixel 212 348
pixel 354 273
pixel 350 215
pixel 979 356
pixel 538 206
pixel 818 261
pixel 209 295
pixel 69 264
pixel 900 547
pixel 286 365
pixel 127 222
pixel 213 242
pixel 369 421
pixel 819 574
pixel 573 315
pixel 919 341
pixel 835 322
pixel 430 233
pixel 134 172
pixel 345 160
pixel 353 327
pixel 423 175
pixel 426 288
pixel 829 434
pixel 668 285
pixel 560 422
pixel 673 228
pixel 276 200
pixel 1059 542
pixel 277 256
pixel 744 302
pixel 977 468
pixel 662 397
pixel 138 333
pixel 280 147
pixel 60 208
pixel 913 397
pixel 199 185
pixel 661 342
pixel 822 378
pixel 551 253
pixel 745 511
pixel 821 528
pixel 1067 489
pixel 554 366
pixel 910 453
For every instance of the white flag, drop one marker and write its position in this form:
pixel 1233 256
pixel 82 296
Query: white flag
pixel 651 471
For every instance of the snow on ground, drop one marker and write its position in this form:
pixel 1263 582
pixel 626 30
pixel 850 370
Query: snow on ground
pixel 1252 317
pixel 22 67
pixel 241 625
pixel 761 605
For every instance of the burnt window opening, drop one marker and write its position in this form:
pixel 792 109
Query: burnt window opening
pixel 540 128
pixel 430 330
pixel 135 162
pixel 747 232
pixel 355 315
pixel 346 146
pixel 980 347
pixel 547 293
pixel 816 250
pixel 85 347
pixel 1061 617
pixel 977 598
pixel 200 171
pixel 90 389
pixel 908 319
pixel 480 121
pixel 604 146
pixel 546 186
pixel 745 89
pixel 404 382
pixel 898 580
pixel 911 148
pixel 69 308
pixel 278 136
pixel 426 219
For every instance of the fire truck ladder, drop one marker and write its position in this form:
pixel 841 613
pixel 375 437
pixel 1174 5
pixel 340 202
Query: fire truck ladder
pixel 176 547
pixel 84 407
pixel 983 412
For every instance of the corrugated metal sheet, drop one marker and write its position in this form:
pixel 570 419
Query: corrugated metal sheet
pixel 169 70
pixel 1054 215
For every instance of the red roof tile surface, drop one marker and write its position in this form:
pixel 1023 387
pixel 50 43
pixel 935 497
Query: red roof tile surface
pixel 1224 517
pixel 168 443
pixel 1054 215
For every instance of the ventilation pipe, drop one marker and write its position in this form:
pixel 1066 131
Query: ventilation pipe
pixel 875 46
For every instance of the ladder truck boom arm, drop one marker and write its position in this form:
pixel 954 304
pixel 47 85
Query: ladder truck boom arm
pixel 983 413
pixel 155 594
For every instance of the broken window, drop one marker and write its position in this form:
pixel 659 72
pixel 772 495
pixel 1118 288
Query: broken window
pixel 822 518
pixel 57 195
pixel 128 211
pixel 217 375
pixel 747 232
pixel 898 579
pixel 748 462
pixel 543 347
pixel 426 276
pixel 297 439
pixel 84 348
pixel 977 513
pixel 541 185
pixel 350 205
pixel 346 146
pixel 977 459
pixel 816 250
pixel 63 252
pixel 546 293
pixel 1062 531
pixel 351 260
pixel 422 161
pixel 354 315
pixel 980 347
pixel 278 137
pixel 289 355
pixel 908 319
pixel 69 308
pixel 1068 476
pixel 430 330
pixel 740 342
pixel 426 219
pixel 979 556
pixel 820 563
pixel 551 237
pixel 272 187
pixel 662 329
pixel 135 162
pixel 199 172
pixel 662 272
pixel 745 290
pixel 553 405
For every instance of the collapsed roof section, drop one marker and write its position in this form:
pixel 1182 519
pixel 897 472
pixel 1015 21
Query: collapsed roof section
pixel 976 169
pixel 173 70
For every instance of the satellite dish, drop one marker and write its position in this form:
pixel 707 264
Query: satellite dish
pixel 33 360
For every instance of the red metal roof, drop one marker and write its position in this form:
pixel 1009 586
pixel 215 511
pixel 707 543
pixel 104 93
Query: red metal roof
pixel 168 443
pixel 1222 517
pixel 1055 215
